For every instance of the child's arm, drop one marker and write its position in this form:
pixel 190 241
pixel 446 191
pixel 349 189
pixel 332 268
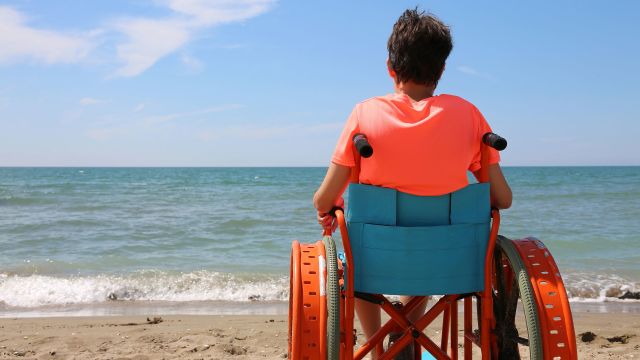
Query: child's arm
pixel 332 187
pixel 500 191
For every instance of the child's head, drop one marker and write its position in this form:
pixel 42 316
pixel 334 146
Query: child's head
pixel 418 48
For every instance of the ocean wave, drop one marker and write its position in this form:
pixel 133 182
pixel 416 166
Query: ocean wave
pixel 25 201
pixel 41 290
pixel 32 291
pixel 590 287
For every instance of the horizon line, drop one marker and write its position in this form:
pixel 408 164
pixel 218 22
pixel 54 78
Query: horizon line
pixel 250 166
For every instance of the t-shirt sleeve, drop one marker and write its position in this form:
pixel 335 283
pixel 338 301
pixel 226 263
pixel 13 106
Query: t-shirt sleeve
pixel 482 128
pixel 343 154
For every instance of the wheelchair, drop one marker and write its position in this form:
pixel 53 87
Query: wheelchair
pixel 397 243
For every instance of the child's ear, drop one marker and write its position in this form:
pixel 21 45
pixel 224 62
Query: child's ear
pixel 391 72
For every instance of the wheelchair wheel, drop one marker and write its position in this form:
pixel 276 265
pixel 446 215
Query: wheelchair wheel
pixel 307 302
pixel 513 293
pixel 333 300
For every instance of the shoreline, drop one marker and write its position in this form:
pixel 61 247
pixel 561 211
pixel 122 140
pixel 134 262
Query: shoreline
pixel 212 308
pixel 151 308
pixel 234 337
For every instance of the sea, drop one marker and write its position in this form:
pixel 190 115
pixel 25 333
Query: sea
pixel 121 241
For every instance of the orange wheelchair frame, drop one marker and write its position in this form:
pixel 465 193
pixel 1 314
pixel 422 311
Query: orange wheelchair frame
pixel 308 306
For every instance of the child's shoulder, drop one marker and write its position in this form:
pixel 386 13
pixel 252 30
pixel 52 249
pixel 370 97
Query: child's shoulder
pixel 453 100
pixel 441 100
pixel 377 99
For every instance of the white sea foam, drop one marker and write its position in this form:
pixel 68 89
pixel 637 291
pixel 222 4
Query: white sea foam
pixel 589 287
pixel 39 290
pixel 35 291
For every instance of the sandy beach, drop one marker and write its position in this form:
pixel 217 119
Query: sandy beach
pixel 234 337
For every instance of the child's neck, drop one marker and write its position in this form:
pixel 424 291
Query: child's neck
pixel 416 92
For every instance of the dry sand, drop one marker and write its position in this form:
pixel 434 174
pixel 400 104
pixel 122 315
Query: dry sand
pixel 232 337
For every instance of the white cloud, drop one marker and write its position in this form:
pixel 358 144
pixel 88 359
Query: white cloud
pixel 253 132
pixel 86 101
pixel 157 119
pixel 213 12
pixel 139 107
pixel 473 72
pixel 468 70
pixel 149 40
pixel 262 132
pixel 145 40
pixel 192 64
pixel 19 41
pixel 110 127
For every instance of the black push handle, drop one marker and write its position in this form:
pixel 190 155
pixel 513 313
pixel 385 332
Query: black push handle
pixel 333 210
pixel 362 145
pixel 495 141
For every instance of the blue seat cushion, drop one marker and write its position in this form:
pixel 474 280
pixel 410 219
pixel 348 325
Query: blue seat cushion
pixel 418 245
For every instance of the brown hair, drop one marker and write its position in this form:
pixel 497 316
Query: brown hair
pixel 418 47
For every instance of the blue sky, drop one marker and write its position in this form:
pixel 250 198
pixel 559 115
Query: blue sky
pixel 270 83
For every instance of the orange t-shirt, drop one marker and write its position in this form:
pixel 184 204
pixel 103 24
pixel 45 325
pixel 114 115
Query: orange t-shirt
pixel 421 148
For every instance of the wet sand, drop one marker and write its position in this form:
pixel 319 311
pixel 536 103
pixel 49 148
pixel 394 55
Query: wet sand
pixel 234 337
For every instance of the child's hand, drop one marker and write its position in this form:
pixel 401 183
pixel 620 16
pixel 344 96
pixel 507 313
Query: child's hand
pixel 327 221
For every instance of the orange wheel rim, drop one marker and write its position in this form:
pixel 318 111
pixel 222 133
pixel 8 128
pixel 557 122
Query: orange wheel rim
pixel 556 322
pixel 307 302
pixel 294 302
pixel 312 259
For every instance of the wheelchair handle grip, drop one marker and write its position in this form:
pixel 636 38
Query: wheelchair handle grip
pixel 333 210
pixel 328 231
pixel 495 141
pixel 362 145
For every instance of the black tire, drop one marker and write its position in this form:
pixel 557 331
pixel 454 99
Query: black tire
pixel 505 304
pixel 333 300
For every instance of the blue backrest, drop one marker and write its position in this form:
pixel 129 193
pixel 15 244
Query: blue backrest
pixel 418 245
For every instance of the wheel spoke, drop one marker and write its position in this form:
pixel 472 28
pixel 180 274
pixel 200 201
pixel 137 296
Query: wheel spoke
pixel 522 341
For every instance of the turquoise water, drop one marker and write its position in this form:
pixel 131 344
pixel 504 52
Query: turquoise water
pixel 73 236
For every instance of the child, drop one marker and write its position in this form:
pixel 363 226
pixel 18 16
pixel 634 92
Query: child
pixel 423 144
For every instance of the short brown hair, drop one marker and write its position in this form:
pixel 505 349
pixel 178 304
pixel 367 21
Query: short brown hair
pixel 418 47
